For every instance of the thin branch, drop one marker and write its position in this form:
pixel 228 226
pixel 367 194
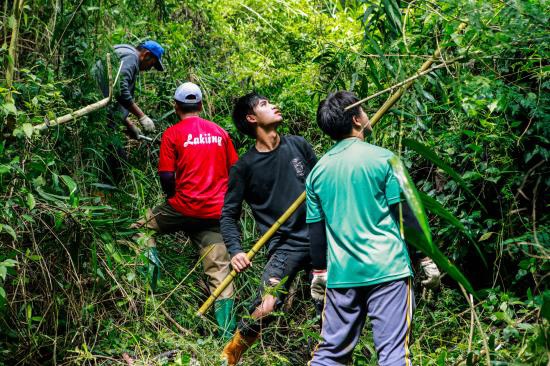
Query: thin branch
pixel 392 88
pixel 482 334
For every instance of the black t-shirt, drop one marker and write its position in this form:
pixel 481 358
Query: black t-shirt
pixel 269 182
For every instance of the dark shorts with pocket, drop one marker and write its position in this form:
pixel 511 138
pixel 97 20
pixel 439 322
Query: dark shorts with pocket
pixel 282 264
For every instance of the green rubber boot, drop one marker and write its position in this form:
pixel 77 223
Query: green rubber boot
pixel 223 309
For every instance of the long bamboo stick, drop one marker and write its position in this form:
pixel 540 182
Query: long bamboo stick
pixel 89 108
pixel 395 97
pixel 259 244
pixel 18 7
pixel 281 220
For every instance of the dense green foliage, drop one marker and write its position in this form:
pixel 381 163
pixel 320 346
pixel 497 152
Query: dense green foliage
pixel 474 135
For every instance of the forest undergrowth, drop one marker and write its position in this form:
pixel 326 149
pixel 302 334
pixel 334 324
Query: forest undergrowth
pixel 474 135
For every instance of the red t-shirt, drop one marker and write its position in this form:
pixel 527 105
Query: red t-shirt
pixel 200 153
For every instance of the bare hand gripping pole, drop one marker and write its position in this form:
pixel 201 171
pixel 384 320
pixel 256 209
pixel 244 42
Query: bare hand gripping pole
pixel 259 244
pixel 89 108
pixel 375 118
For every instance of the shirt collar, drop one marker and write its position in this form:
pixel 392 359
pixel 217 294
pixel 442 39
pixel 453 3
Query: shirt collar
pixel 343 145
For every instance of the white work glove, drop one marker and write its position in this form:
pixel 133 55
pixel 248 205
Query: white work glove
pixel 431 272
pixel 318 285
pixel 147 123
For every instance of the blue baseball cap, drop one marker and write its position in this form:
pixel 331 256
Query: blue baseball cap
pixel 157 51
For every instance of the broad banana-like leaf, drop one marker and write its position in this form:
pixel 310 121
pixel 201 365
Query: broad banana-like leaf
pixel 423 240
pixel 432 156
pixel 437 209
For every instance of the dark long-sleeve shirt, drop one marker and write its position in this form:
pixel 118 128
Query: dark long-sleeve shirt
pixel 129 58
pixel 124 90
pixel 269 182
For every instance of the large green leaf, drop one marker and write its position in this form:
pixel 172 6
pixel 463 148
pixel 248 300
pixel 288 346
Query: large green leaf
pixel 70 183
pixel 423 240
pixel 432 156
pixel 437 209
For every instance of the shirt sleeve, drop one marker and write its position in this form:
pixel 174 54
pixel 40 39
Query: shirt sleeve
pixel 314 211
pixel 318 245
pixel 311 158
pixel 128 75
pixel 392 189
pixel 231 211
pixel 232 155
pixel 167 155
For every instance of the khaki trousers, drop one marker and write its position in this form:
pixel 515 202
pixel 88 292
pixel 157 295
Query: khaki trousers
pixel 204 233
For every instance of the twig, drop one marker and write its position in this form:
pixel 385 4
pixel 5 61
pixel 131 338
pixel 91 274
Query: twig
pixel 534 213
pixel 182 281
pixel 520 189
pixel 180 328
pixel 471 336
pixel 86 110
pixel 469 298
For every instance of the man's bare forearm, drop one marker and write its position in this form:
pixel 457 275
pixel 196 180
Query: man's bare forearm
pixel 135 110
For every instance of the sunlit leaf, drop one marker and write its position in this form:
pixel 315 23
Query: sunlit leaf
pixel 8 229
pixel 31 202
pixel 70 183
pixel 9 108
pixel 28 129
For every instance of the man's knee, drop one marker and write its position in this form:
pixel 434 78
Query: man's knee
pixel 269 302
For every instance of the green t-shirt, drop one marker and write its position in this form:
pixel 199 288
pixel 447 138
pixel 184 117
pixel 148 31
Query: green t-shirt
pixel 351 188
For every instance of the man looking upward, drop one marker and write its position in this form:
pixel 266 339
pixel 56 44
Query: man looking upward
pixel 269 177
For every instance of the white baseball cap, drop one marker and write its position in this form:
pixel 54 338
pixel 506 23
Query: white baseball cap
pixel 188 93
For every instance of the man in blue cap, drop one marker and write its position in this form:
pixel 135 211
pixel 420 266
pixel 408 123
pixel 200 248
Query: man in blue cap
pixel 134 60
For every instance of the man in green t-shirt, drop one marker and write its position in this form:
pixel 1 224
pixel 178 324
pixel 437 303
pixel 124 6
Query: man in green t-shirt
pixel 356 246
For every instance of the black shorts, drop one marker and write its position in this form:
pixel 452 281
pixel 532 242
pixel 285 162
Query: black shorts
pixel 282 266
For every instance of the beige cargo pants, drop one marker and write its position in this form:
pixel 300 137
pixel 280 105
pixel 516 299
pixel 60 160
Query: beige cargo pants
pixel 204 233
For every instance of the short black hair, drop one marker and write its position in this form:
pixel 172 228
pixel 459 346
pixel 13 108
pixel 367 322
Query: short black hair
pixel 243 107
pixel 331 117
pixel 189 107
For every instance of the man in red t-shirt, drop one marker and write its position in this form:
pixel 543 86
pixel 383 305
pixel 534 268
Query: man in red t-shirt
pixel 194 162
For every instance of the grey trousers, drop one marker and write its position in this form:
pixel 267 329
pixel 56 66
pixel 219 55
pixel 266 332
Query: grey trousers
pixel 389 307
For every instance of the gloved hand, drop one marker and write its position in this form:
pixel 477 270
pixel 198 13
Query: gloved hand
pixel 318 285
pixel 147 123
pixel 132 130
pixel 431 272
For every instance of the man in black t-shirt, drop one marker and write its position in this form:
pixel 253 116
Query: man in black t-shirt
pixel 269 177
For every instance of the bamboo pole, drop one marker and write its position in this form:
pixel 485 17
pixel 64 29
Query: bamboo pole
pixel 395 97
pixel 269 233
pixel 10 70
pixel 401 83
pixel 89 108
pixel 259 244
